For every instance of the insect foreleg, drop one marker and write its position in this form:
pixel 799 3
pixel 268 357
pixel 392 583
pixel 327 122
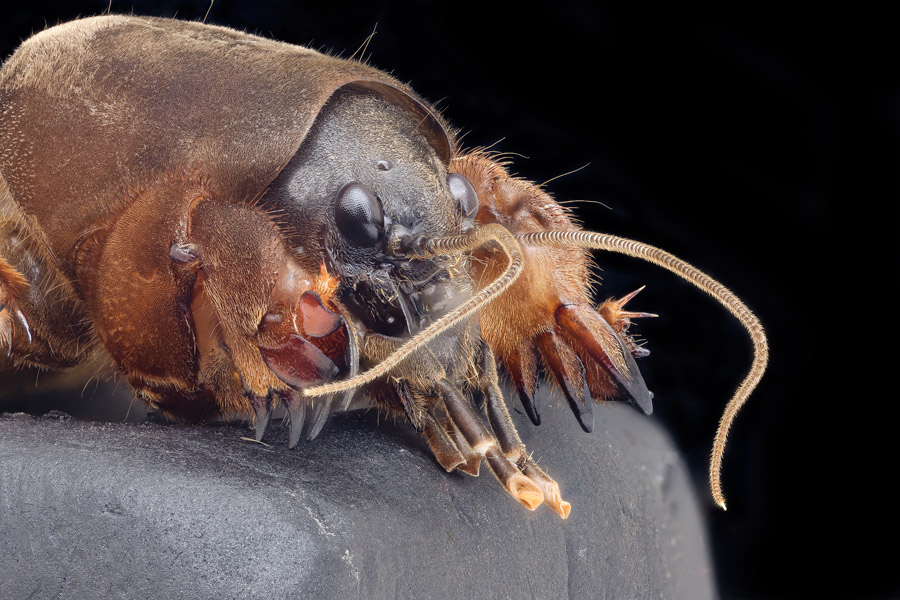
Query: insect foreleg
pixel 523 326
pixel 42 322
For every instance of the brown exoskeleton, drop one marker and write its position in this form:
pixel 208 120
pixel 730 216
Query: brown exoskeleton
pixel 239 223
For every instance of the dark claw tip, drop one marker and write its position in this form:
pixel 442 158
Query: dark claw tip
pixel 296 408
pixel 585 418
pixel 319 417
pixel 261 425
pixel 263 409
pixel 626 376
pixel 645 403
pixel 529 405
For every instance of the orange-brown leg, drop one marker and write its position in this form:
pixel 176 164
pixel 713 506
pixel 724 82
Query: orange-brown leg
pixel 548 312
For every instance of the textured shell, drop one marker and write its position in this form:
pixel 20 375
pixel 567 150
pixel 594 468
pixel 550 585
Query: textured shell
pixel 95 109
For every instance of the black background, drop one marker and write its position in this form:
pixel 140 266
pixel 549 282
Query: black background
pixel 764 149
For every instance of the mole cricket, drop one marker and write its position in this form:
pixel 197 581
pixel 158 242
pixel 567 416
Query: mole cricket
pixel 238 223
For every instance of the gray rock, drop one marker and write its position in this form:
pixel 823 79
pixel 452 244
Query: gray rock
pixel 102 510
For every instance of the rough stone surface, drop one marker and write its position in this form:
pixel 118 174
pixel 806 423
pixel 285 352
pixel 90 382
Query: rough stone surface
pixel 100 510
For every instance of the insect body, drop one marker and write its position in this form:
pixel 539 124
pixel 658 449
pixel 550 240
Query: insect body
pixel 239 223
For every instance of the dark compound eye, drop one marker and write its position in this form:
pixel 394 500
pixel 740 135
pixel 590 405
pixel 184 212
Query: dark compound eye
pixel 359 215
pixel 464 193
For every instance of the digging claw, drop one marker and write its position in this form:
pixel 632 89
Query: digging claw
pixel 529 405
pixel 295 404
pixel 299 408
pixel 346 400
pixel 553 353
pixel 321 408
pixel 301 363
pixel 262 407
pixel 602 343
pixel 525 382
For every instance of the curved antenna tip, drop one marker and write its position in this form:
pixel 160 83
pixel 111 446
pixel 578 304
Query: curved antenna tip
pixel 670 262
pixel 722 505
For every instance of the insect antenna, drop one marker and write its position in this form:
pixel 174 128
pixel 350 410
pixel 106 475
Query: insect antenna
pixel 659 257
pixel 444 246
